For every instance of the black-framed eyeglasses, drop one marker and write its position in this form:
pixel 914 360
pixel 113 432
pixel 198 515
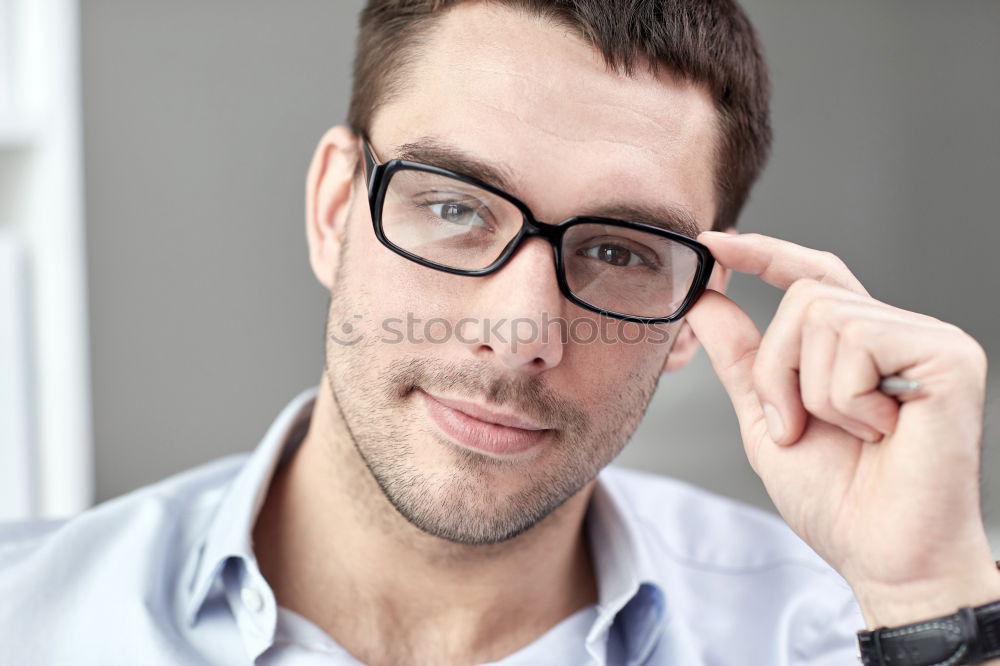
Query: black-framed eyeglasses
pixel 459 224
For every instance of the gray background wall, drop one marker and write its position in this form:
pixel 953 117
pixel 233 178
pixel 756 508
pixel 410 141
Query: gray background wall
pixel 200 118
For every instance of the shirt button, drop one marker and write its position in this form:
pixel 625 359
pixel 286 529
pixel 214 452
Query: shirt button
pixel 252 599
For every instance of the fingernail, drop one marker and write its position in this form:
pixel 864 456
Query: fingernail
pixel 775 425
pixel 715 234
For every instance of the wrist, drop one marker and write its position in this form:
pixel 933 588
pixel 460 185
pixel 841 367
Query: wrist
pixel 890 605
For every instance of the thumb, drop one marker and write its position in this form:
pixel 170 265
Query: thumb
pixel 730 339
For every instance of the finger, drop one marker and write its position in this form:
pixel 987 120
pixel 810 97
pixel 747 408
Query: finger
pixel 778 373
pixel 731 340
pixel 778 262
pixel 854 382
pixel 777 369
pixel 818 358
pixel 949 365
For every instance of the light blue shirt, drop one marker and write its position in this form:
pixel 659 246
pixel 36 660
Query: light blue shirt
pixel 167 575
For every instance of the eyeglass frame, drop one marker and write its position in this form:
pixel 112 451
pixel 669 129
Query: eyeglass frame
pixel 379 175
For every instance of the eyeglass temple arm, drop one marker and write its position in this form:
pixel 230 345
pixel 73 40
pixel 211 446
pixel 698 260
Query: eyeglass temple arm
pixel 371 161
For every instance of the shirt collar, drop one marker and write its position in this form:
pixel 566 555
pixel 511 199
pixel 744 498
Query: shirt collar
pixel 626 581
pixel 629 596
pixel 228 534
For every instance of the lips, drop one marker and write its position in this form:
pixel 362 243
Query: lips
pixel 480 428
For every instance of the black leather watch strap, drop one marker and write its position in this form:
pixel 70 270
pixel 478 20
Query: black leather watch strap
pixel 970 636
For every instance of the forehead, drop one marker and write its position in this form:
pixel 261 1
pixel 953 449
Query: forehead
pixel 531 95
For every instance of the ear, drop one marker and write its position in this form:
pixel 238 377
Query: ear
pixel 686 344
pixel 329 191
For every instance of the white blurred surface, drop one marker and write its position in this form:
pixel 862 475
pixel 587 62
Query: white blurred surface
pixel 16 470
pixel 41 209
pixel 6 55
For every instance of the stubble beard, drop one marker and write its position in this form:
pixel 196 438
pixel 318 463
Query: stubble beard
pixel 472 502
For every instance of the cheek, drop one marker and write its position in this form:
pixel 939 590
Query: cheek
pixel 406 290
pixel 621 366
pixel 398 299
pixel 391 284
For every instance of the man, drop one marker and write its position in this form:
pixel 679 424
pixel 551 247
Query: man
pixel 440 498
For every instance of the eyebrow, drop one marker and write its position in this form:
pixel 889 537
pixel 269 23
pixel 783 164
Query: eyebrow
pixel 665 216
pixel 433 152
pixel 436 153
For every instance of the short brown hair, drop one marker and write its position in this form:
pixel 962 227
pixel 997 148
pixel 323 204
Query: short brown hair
pixel 710 42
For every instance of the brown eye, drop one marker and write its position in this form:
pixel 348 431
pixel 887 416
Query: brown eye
pixel 615 255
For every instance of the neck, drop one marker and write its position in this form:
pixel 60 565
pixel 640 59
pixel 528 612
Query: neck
pixel 337 552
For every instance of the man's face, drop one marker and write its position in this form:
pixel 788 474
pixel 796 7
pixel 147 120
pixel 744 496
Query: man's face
pixel 527 98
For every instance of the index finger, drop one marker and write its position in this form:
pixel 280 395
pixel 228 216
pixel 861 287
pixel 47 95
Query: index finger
pixel 778 262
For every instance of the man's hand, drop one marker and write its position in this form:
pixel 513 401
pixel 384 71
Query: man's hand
pixel 886 490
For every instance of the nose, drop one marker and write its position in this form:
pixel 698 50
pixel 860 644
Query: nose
pixel 525 308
